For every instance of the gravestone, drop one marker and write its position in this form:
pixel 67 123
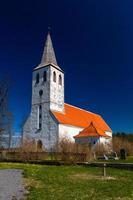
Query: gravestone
pixel 123 154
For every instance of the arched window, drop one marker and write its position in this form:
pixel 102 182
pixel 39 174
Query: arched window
pixel 60 79
pixel 37 78
pixel 54 76
pixel 44 76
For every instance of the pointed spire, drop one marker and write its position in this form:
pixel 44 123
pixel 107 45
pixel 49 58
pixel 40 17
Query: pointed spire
pixel 48 53
pixel 48 56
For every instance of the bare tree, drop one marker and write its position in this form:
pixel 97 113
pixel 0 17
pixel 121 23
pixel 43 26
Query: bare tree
pixel 6 117
pixel 23 121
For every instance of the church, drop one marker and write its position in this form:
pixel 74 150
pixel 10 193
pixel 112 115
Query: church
pixel 51 119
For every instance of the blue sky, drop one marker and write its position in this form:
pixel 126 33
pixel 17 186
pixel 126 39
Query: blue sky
pixel 93 42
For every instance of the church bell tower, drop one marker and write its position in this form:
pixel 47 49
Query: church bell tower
pixel 48 81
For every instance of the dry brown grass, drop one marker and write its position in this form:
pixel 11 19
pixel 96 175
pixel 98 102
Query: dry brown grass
pixel 27 146
pixel 86 176
pixel 29 182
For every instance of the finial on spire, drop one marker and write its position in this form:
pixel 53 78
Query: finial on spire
pixel 49 29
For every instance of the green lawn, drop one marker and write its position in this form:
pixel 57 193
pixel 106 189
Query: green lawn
pixel 75 183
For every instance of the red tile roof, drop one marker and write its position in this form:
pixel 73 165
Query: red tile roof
pixel 81 118
pixel 91 131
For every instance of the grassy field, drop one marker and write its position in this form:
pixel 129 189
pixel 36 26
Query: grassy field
pixel 75 183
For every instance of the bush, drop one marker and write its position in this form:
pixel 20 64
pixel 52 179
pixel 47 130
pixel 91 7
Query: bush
pixel 70 151
pixel 28 146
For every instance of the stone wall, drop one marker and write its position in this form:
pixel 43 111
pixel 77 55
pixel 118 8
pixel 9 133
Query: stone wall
pixel 56 91
pixel 49 132
pixel 52 98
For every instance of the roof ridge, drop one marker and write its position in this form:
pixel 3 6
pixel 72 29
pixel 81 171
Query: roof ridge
pixel 95 114
pixel 83 109
pixel 92 123
pixel 75 116
pixel 86 111
pixel 86 129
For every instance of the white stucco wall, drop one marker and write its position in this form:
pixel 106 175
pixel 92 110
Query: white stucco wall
pixel 67 131
pixel 102 140
pixel 105 141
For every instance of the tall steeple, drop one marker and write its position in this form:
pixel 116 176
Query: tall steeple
pixel 48 56
pixel 48 53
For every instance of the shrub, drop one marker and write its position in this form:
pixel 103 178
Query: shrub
pixel 70 151
pixel 28 146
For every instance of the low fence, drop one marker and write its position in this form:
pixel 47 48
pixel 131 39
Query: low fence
pixel 42 156
pixel 127 166
pixel 54 158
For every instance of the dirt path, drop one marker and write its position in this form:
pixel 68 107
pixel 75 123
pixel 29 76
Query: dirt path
pixel 11 184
